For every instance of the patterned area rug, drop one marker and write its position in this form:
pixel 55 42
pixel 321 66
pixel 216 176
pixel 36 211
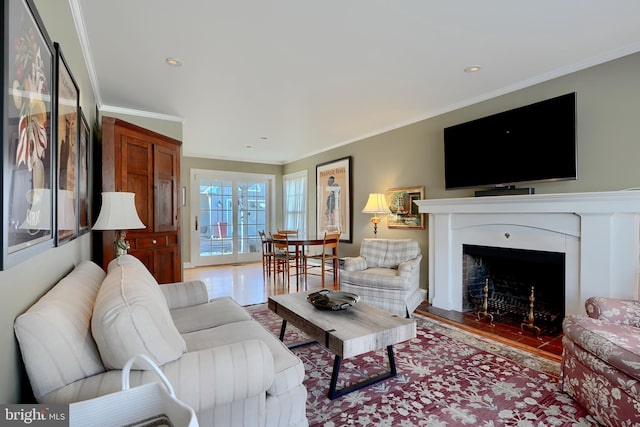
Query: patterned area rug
pixel 446 377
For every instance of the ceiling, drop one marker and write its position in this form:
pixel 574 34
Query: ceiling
pixel 278 80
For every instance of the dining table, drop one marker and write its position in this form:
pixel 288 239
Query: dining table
pixel 299 244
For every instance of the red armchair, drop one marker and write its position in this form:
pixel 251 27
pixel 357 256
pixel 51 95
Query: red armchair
pixel 601 360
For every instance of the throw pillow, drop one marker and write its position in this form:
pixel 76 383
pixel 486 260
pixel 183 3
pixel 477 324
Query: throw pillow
pixel 131 317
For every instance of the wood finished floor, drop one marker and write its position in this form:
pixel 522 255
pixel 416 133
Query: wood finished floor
pixel 245 284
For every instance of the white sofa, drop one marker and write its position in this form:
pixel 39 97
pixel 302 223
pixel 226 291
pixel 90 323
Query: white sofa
pixel 385 275
pixel 226 366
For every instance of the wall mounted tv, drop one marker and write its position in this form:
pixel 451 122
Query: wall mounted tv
pixel 534 143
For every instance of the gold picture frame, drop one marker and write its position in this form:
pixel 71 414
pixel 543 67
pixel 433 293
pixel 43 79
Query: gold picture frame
pixel 404 213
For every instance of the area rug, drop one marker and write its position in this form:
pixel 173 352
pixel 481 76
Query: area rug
pixel 446 377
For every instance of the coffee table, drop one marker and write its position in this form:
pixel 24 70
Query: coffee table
pixel 346 333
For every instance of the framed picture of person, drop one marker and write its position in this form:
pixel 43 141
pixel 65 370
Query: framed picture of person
pixel 334 203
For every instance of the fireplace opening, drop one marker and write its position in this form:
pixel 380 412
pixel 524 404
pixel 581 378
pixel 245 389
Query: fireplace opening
pixel 519 287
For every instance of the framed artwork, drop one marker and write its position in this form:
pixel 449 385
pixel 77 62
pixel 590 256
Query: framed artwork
pixel 28 131
pixel 404 213
pixel 68 131
pixel 334 203
pixel 83 176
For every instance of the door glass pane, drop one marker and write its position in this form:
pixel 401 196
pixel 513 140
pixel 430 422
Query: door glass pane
pixel 252 201
pixel 216 214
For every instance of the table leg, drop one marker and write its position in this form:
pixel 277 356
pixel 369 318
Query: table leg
pixel 333 393
pixel 282 329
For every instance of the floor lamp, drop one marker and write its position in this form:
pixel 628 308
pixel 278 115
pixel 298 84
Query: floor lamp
pixel 118 212
pixel 377 204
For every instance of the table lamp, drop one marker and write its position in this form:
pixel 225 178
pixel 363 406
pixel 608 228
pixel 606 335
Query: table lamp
pixel 377 204
pixel 118 212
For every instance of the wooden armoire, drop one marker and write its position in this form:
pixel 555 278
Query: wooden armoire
pixel 138 160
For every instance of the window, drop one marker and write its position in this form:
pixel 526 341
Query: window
pixel 295 202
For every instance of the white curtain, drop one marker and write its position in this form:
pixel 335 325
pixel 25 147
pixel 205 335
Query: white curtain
pixel 295 202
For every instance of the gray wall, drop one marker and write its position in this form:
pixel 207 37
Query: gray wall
pixel 608 149
pixel 608 102
pixel 21 285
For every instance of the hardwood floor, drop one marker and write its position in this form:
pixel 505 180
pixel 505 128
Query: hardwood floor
pixel 245 284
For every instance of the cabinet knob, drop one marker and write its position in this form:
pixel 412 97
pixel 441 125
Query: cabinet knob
pixel 507 235
pixel 154 241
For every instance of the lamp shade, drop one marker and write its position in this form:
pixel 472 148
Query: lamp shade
pixel 376 204
pixel 118 212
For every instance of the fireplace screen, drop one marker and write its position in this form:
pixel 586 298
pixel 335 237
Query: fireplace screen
pixel 515 286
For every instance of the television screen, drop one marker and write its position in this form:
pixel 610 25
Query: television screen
pixel 533 143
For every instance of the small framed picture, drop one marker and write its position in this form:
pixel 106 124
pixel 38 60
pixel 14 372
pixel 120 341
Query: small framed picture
pixel 404 213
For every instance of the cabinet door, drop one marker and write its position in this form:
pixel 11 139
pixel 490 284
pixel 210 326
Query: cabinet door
pixel 167 265
pixel 137 176
pixel 166 192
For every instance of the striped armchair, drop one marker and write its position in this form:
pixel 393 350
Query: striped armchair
pixel 385 275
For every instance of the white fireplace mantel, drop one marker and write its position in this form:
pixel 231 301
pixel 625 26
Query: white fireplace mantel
pixel 598 232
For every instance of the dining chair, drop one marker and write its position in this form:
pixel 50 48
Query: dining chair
pixel 328 259
pixel 282 256
pixel 292 233
pixel 267 254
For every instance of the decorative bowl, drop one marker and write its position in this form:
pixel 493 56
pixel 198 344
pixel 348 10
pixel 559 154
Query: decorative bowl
pixel 332 300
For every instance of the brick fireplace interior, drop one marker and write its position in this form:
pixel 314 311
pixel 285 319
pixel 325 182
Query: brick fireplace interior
pixel 523 288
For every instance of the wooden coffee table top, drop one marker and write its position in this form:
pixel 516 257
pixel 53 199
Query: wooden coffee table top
pixel 347 333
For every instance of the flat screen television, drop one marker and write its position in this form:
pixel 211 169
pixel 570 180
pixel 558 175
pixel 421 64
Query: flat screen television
pixel 534 143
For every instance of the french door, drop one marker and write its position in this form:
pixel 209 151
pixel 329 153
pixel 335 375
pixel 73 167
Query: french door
pixel 229 209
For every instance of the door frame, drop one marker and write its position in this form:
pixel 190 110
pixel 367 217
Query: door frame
pixel 195 207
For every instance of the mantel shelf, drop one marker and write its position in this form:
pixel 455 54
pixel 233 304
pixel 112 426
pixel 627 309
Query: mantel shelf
pixel 582 203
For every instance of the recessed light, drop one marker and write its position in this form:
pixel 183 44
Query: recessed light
pixel 248 146
pixel 472 69
pixel 174 62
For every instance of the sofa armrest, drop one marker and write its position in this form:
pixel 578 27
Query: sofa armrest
pixel 624 312
pixel 407 268
pixel 357 263
pixel 184 294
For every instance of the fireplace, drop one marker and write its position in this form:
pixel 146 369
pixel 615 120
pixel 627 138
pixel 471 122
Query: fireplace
pixel 598 234
pixel 520 287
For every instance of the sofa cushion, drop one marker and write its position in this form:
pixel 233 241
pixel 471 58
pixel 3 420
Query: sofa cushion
pixel 54 334
pixel 388 253
pixel 373 251
pixel 289 370
pixel 218 311
pixel 131 316
pixel 382 279
pixel 400 250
